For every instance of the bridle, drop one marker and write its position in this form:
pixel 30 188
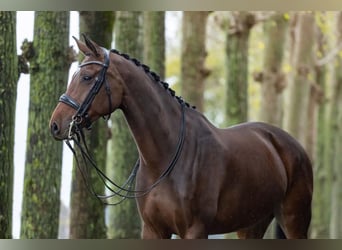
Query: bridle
pixel 76 134
pixel 126 190
pixel 81 116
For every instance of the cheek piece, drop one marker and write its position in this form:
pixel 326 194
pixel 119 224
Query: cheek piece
pixel 81 117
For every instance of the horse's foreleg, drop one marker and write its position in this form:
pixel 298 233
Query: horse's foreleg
pixel 196 231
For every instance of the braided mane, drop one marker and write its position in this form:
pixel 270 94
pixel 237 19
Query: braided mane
pixel 154 75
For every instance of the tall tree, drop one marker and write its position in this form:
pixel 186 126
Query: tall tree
pixel 154 41
pixel 8 91
pixel 193 71
pixel 237 40
pixel 300 79
pixel 271 78
pixel 322 169
pixel 124 221
pixel 49 64
pixel 87 219
pixel 336 131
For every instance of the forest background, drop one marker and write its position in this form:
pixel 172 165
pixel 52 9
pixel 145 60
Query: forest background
pixel 282 68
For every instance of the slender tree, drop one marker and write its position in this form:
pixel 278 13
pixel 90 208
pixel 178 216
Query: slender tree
pixel 124 221
pixel 87 219
pixel 49 64
pixel 237 66
pixel 154 41
pixel 193 71
pixel 322 170
pixel 336 131
pixel 300 78
pixel 8 90
pixel 272 79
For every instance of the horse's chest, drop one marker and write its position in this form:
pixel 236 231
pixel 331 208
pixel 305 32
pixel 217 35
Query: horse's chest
pixel 163 209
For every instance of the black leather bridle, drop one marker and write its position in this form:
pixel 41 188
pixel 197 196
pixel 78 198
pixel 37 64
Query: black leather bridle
pixel 81 117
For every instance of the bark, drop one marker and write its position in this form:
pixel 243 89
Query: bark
pixel 8 91
pixel 300 79
pixel 272 78
pixel 87 218
pixel 154 41
pixel 237 67
pixel 193 71
pixel 124 221
pixel 336 131
pixel 49 74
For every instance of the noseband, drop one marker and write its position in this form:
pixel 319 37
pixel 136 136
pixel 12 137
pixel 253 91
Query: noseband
pixel 81 115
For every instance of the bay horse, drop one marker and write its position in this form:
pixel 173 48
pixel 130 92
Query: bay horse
pixel 203 180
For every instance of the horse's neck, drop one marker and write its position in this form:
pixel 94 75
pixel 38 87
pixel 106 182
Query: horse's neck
pixel 152 115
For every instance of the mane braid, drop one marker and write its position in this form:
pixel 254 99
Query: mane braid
pixel 154 75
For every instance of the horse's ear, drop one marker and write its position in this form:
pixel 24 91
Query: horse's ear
pixel 82 47
pixel 91 45
pixel 88 48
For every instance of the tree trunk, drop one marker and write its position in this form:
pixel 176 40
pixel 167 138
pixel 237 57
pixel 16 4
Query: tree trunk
pixel 8 91
pixel 49 75
pixel 87 219
pixel 154 41
pixel 124 221
pixel 193 71
pixel 336 131
pixel 321 200
pixel 302 61
pixel 237 67
pixel 272 78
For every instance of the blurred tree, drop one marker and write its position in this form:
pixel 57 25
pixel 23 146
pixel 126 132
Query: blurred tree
pixel 49 64
pixel 193 71
pixel 87 219
pixel 301 75
pixel 336 131
pixel 124 221
pixel 154 41
pixel 8 91
pixel 319 135
pixel 237 39
pixel 271 78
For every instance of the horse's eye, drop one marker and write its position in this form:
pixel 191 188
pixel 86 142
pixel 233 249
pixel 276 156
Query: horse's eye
pixel 87 78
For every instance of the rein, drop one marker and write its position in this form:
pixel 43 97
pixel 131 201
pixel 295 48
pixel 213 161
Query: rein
pixel 76 134
pixel 127 189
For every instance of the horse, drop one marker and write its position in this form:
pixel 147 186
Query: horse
pixel 200 179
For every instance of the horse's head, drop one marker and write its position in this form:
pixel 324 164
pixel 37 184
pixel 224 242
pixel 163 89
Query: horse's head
pixel 95 90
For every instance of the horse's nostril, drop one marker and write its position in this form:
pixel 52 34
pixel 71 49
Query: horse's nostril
pixel 54 128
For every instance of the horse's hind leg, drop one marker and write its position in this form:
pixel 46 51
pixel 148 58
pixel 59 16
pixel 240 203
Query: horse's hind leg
pixel 294 214
pixel 256 231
